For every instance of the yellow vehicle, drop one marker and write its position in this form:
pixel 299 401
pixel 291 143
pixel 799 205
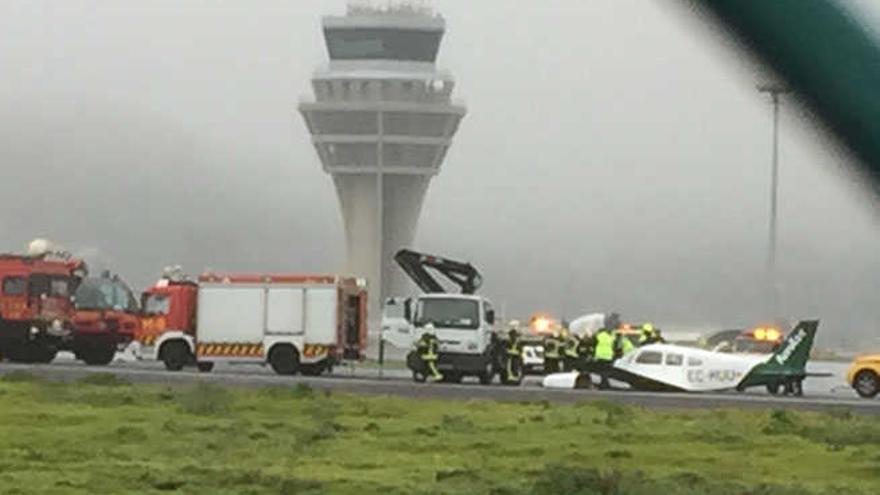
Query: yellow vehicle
pixel 864 375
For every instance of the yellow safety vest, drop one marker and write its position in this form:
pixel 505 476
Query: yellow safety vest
pixel 604 346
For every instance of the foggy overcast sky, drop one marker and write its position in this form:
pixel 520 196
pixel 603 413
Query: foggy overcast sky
pixel 615 156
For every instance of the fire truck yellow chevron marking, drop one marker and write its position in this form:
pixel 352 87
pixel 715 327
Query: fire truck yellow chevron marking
pixel 239 350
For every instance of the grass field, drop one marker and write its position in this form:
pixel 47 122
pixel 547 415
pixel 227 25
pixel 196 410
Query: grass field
pixel 101 436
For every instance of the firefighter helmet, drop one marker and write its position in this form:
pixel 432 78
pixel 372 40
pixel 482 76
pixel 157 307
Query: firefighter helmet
pixel 429 329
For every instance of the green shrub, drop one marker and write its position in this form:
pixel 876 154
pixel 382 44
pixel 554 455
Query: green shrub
pixel 615 414
pixel 303 391
pixel 130 434
pixel 455 474
pixel 557 479
pixel 294 486
pixel 103 380
pixel 842 433
pixel 456 423
pixel 205 400
pixel 781 422
pixel 21 376
pixel 104 398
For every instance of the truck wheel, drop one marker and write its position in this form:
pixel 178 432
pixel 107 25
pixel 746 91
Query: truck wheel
pixel 17 354
pixel 486 378
pixel 452 377
pixel 487 374
pixel 419 377
pixel 284 359
pixel 31 353
pixel 99 356
pixel 867 384
pixel 205 367
pixel 49 356
pixel 175 355
pixel 43 354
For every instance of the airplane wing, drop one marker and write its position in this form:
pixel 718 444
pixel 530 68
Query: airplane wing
pixel 570 380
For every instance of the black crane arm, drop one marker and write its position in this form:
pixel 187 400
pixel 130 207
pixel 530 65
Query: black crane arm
pixel 416 265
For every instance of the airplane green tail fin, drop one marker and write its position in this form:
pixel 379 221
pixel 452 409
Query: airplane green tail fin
pixel 787 363
pixel 794 351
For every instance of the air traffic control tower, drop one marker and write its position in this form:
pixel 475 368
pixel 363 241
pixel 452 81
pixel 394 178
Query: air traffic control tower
pixel 382 122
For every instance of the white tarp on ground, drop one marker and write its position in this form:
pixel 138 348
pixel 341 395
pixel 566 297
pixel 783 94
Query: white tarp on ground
pixel 560 380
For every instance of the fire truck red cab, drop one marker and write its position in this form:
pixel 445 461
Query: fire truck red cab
pixel 170 304
pixel 106 318
pixel 36 304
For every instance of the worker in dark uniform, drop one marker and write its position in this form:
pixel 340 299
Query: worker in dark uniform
pixel 513 355
pixel 428 347
pixel 603 355
pixel 658 337
pixel 570 355
pixel 586 344
pixel 551 352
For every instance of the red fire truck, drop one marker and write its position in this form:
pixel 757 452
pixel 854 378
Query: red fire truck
pixel 294 323
pixel 36 305
pixel 106 318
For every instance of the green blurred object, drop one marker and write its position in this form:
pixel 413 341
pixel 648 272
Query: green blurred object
pixel 822 53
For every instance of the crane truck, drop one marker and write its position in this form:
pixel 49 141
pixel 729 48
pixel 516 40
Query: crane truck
pixel 294 323
pixel 463 322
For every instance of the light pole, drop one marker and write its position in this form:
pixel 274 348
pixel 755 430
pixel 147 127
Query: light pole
pixel 775 91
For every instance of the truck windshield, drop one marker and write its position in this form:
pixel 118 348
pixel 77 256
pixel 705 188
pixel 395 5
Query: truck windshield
pixel 157 304
pixel 104 293
pixel 50 285
pixel 448 313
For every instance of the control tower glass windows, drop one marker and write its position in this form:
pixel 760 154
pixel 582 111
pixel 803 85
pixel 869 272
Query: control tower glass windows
pixel 417 124
pixel 350 155
pixel 382 44
pixel 345 122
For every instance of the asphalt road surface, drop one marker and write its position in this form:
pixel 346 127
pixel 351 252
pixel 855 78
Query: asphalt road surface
pixel 820 393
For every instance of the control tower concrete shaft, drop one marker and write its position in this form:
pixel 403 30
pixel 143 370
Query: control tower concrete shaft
pixel 381 122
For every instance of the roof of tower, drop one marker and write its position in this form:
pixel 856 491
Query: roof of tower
pixel 396 8
pixel 394 16
pixel 400 32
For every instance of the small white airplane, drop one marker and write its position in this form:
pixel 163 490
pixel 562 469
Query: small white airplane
pixel 665 367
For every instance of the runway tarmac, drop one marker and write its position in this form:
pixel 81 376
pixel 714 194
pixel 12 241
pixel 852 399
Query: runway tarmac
pixel 820 393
